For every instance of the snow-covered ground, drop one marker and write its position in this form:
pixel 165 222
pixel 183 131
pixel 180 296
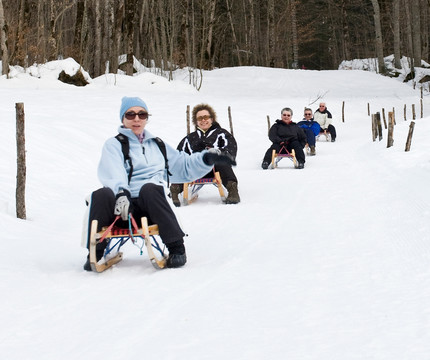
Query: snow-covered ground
pixel 329 262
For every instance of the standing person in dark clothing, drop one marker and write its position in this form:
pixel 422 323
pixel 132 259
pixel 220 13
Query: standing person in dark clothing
pixel 209 134
pixel 311 129
pixel 286 133
pixel 324 118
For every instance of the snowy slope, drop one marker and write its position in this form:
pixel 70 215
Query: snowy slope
pixel 329 262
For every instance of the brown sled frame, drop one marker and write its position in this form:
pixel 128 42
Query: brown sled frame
pixel 326 135
pixel 111 233
pixel 216 180
pixel 277 157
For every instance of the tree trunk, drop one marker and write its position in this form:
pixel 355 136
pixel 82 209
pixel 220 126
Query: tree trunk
pixel 396 30
pixel 129 34
pixel 3 43
pixel 52 41
pixel 41 34
pixel 408 27
pixel 107 33
pixel 252 35
pixel 416 31
pixel 116 36
pixel 378 37
pixel 271 33
pixel 98 39
pixel 295 64
pixel 209 52
pixel 163 34
pixel 233 32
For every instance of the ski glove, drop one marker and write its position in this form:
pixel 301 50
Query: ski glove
pixel 215 156
pixel 123 204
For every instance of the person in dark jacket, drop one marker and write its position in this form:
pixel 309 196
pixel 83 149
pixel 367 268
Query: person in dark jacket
pixel 311 129
pixel 324 118
pixel 286 133
pixel 209 134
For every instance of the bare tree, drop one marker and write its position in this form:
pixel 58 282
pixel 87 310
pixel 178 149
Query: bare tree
pixel 416 31
pixel 233 31
pixel 295 64
pixel 3 42
pixel 98 39
pixel 378 36
pixel 396 31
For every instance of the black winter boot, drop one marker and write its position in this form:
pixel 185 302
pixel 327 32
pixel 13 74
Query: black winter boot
pixel 100 250
pixel 177 256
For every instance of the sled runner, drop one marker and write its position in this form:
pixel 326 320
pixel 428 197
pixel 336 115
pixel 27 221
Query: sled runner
pixel 190 193
pixel 116 237
pixel 283 153
pixel 326 135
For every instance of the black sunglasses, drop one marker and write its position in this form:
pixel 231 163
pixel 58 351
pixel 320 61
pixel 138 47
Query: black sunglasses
pixel 132 115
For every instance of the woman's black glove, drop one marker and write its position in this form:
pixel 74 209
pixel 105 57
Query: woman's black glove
pixel 214 156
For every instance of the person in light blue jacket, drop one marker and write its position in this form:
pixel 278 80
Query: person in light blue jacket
pixel 139 189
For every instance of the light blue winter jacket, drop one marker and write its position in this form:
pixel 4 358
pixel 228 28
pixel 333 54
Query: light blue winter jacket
pixel 148 164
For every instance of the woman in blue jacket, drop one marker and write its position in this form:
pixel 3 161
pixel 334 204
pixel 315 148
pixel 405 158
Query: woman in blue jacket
pixel 143 193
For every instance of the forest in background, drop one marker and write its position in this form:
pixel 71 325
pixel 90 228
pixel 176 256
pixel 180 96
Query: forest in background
pixel 208 34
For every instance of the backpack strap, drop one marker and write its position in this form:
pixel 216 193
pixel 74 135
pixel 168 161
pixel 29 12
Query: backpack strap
pixel 162 147
pixel 125 147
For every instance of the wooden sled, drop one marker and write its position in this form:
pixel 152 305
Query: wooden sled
pixel 190 193
pixel 325 135
pixel 283 153
pixel 116 237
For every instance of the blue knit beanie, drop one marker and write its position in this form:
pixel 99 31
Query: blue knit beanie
pixel 128 102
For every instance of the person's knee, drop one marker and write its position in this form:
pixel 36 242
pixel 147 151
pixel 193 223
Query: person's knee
pixel 151 190
pixel 102 194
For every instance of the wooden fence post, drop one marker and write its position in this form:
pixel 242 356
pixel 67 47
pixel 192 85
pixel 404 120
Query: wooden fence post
pixel 268 123
pixel 404 112
pixel 409 140
pixel 21 164
pixel 379 125
pixel 374 127
pixel 421 103
pixel 230 121
pixel 188 120
pixel 413 111
pixel 383 117
pixel 343 111
pixel 390 139
pixel 368 109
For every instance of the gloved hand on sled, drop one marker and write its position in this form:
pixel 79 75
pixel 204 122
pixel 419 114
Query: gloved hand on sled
pixel 215 156
pixel 123 204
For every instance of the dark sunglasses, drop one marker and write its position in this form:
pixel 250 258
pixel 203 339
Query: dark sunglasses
pixel 203 117
pixel 308 114
pixel 132 115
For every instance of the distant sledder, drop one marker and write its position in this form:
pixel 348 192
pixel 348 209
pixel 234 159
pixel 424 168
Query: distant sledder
pixel 324 118
pixel 311 129
pixel 288 140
